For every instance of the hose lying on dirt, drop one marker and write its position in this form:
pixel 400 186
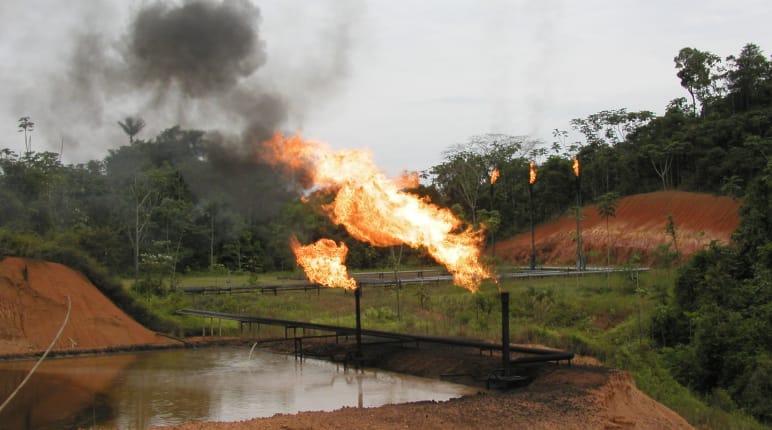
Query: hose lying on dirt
pixel 43 357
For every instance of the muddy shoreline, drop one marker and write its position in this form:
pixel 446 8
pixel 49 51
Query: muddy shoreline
pixel 580 396
pixel 556 396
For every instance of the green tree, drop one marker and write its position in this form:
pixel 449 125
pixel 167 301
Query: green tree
pixel 142 201
pixel 672 231
pixel 610 127
pixel 603 133
pixel 27 126
pixel 176 217
pixel 491 220
pixel 607 207
pixel 465 173
pixel 754 234
pixel 748 78
pixel 663 140
pixel 554 190
pixel 698 73
pixel 132 125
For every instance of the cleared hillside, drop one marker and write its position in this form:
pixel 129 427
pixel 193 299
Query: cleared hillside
pixel 638 228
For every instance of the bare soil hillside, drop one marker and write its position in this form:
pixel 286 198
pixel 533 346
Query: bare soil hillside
pixel 33 304
pixel 637 228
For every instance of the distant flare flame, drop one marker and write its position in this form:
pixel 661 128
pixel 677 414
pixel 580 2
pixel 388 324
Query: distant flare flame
pixel 576 167
pixel 495 175
pixel 532 177
pixel 373 209
pixel 324 262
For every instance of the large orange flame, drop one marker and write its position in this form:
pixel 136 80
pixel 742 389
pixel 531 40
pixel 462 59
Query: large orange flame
pixel 495 175
pixel 532 177
pixel 373 209
pixel 324 262
pixel 576 167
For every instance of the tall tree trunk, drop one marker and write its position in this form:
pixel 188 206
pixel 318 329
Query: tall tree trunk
pixel 211 242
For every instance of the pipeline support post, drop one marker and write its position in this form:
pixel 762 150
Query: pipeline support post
pixel 532 262
pixel 357 295
pixel 505 331
pixel 579 258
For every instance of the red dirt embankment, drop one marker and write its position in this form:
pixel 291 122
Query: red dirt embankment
pixel 33 304
pixel 638 227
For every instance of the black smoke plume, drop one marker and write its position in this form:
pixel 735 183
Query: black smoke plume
pixel 201 46
pixel 196 64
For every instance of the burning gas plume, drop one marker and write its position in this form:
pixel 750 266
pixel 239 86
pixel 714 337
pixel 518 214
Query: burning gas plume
pixel 373 208
pixel 532 175
pixel 495 176
pixel 576 167
pixel 324 262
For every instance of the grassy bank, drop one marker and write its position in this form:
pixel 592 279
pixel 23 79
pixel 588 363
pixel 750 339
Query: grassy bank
pixel 606 317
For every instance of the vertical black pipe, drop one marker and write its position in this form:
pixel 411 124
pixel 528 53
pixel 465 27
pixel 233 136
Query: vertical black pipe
pixel 493 235
pixel 505 331
pixel 533 242
pixel 579 257
pixel 357 294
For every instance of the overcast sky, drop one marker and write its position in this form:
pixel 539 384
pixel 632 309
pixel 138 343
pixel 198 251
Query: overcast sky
pixel 404 79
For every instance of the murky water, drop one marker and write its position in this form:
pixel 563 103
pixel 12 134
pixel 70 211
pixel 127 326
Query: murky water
pixel 213 384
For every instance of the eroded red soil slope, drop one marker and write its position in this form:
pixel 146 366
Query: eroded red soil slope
pixel 33 303
pixel 637 228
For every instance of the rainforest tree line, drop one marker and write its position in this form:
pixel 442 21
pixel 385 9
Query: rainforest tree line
pixel 181 201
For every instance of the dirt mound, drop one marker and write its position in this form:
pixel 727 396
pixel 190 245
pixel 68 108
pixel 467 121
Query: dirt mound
pixel 627 407
pixel 33 304
pixel 637 228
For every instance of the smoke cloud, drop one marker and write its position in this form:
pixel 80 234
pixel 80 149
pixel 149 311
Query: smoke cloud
pixel 196 64
pixel 202 47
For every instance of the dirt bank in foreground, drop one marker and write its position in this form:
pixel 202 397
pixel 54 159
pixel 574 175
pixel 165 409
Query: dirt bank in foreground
pixel 33 304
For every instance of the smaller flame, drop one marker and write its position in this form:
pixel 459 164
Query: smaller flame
pixel 324 262
pixel 576 166
pixel 495 175
pixel 532 177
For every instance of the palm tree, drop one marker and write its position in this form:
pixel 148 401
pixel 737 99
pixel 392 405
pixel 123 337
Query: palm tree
pixel 132 126
pixel 607 207
pixel 26 125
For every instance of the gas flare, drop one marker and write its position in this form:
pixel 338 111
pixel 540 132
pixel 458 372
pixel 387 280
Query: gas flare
pixel 373 209
pixel 324 262
pixel 532 177
pixel 495 176
pixel 576 166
